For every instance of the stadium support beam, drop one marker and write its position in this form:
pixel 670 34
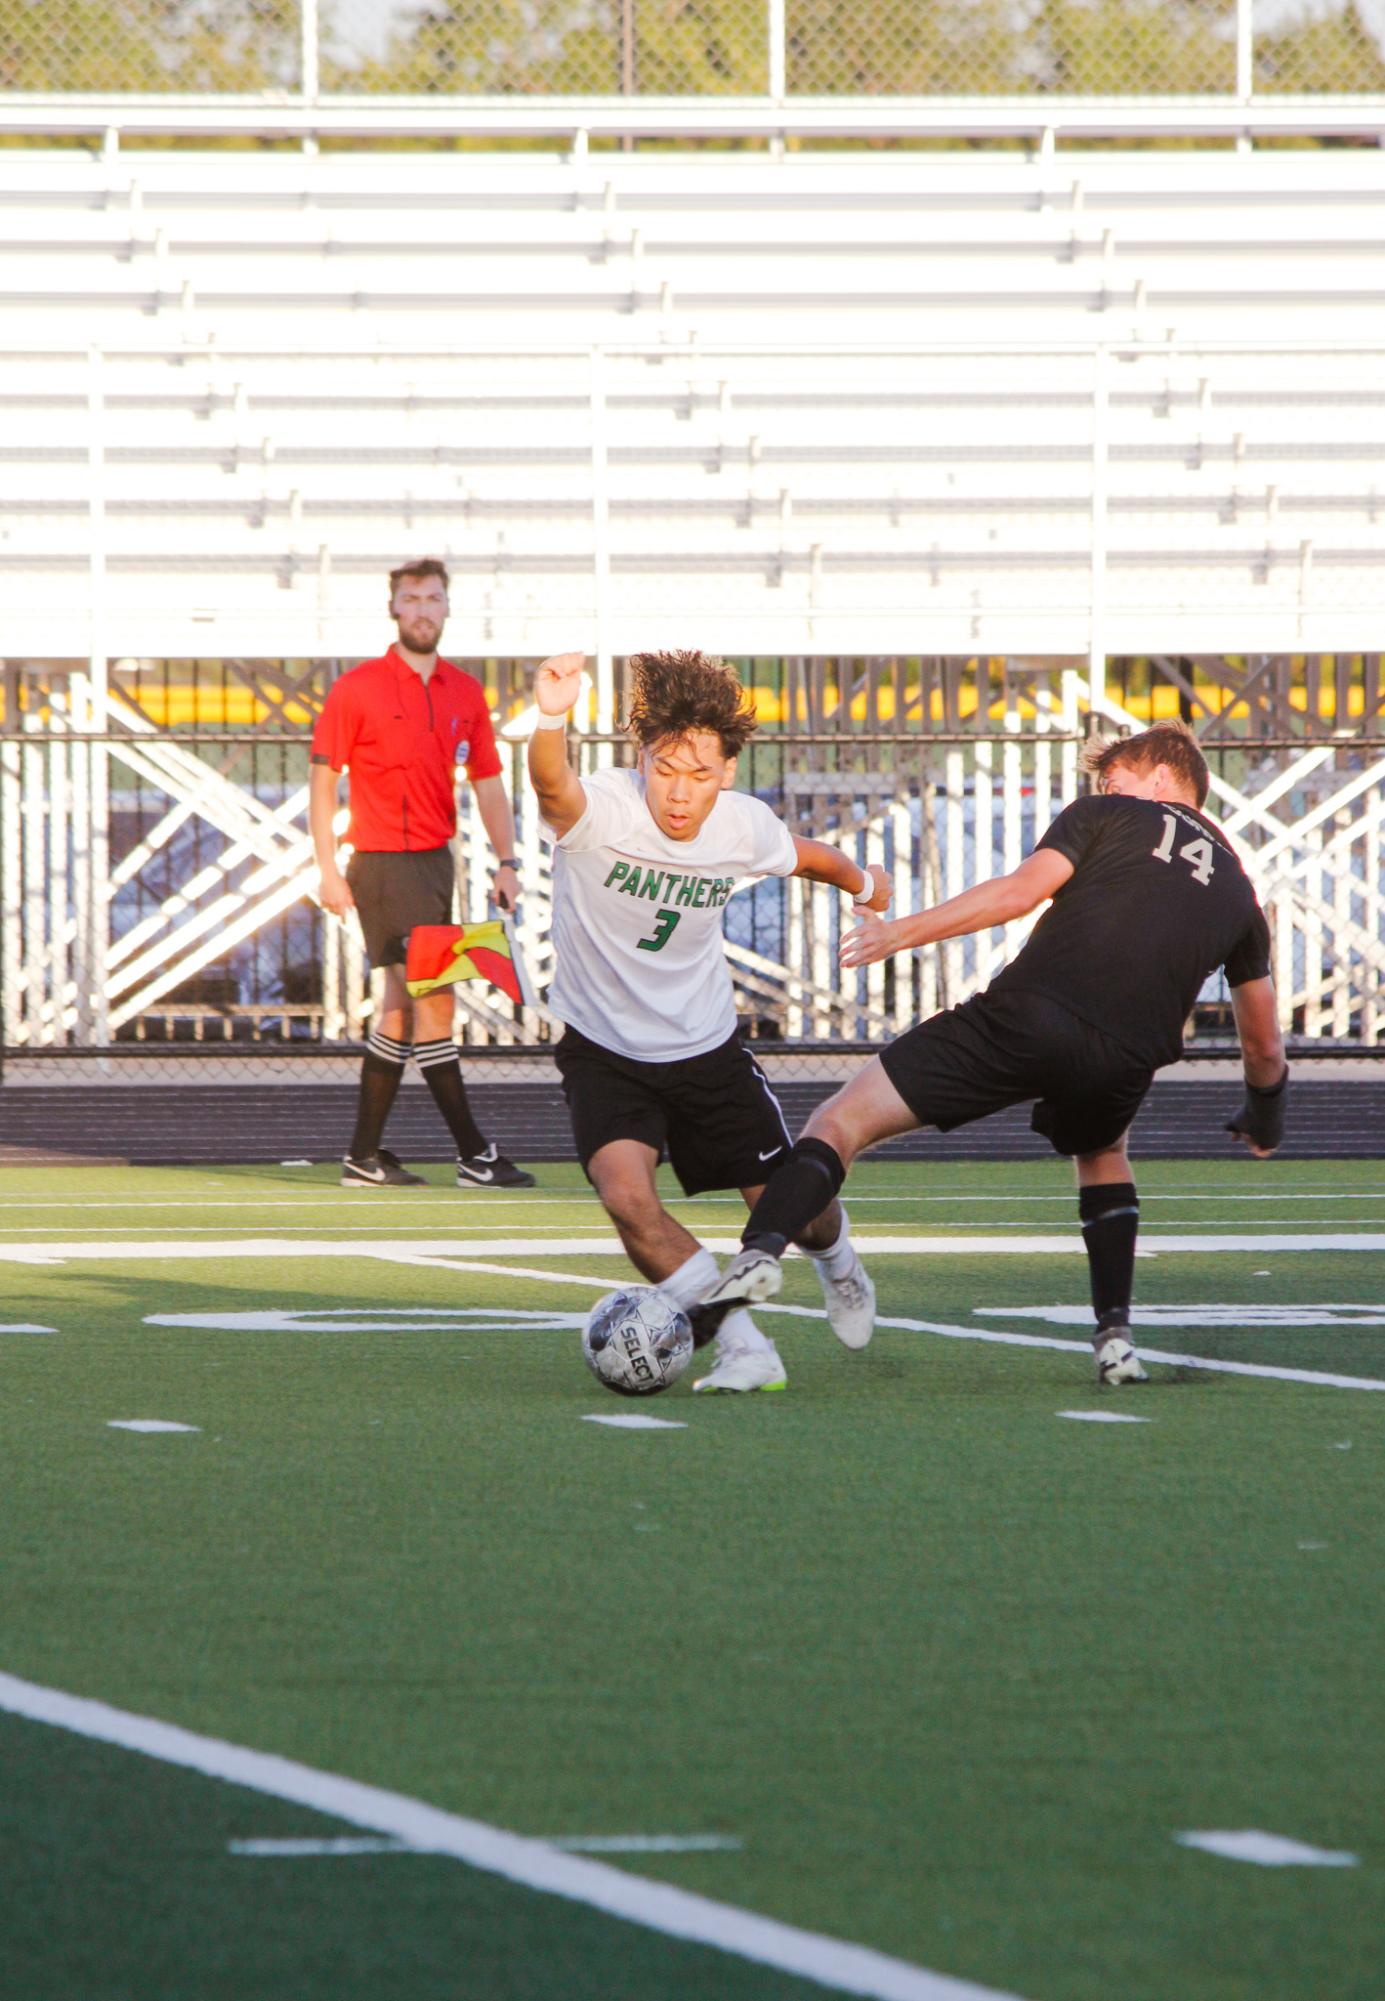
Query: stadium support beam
pixel 308 51
pixel 1096 644
pixel 601 547
pixel 1245 50
pixel 777 51
pixel 92 818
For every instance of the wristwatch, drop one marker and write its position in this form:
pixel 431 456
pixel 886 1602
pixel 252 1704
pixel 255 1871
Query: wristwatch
pixel 509 862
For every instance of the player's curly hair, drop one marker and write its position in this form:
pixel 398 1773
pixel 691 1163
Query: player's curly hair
pixel 672 694
pixel 1171 743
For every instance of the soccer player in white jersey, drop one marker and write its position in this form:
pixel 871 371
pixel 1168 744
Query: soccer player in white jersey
pixel 644 862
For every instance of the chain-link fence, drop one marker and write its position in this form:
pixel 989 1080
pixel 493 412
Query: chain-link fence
pixel 828 48
pixel 547 47
pixel 151 45
pixel 157 879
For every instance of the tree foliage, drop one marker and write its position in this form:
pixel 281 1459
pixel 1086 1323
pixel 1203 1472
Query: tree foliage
pixel 1320 52
pixel 682 47
pixel 148 45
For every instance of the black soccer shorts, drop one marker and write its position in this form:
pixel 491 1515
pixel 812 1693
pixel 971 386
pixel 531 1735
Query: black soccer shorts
pixel 713 1116
pixel 1001 1049
pixel 395 891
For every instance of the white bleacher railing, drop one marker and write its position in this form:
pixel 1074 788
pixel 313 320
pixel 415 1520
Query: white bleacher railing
pixel 1118 499
pixel 1042 123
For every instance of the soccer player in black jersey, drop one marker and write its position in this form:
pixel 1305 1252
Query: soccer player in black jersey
pixel 1147 898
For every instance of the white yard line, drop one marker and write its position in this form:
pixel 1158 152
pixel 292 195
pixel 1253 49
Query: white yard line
pixel 209 1229
pixel 352 1200
pixel 341 1844
pixel 147 1424
pixel 990 1336
pixel 538 1865
pixel 634 1420
pixel 293 1846
pixel 139 1249
pixel 1323 1379
pixel 1270 1851
pixel 1101 1416
pixel 451 1257
pixel 646 1844
pixel 1281 1317
pixel 937 1234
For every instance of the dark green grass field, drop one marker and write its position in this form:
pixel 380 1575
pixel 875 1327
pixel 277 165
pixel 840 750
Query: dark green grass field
pixel 944 1671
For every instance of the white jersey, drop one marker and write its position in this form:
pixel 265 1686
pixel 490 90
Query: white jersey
pixel 639 964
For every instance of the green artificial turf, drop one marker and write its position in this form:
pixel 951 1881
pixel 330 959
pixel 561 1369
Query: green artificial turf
pixel 953 1669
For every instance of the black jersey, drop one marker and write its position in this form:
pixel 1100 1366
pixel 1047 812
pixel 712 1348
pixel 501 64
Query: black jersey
pixel 1157 900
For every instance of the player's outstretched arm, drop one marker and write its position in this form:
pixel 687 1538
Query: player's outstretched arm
pixel 869 888
pixel 999 901
pixel 557 685
pixel 1260 1121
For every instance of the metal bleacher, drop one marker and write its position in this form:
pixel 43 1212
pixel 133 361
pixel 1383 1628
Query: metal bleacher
pixel 875 405
pixel 1080 402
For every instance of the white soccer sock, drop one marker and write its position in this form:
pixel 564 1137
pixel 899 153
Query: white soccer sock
pixel 692 1281
pixel 738 1330
pixel 836 1261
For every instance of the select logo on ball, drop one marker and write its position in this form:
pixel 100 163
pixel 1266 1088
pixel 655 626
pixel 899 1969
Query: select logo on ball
pixel 636 1341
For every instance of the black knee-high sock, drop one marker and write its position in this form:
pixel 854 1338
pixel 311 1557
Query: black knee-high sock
pixel 382 1066
pixel 442 1073
pixel 1110 1214
pixel 796 1192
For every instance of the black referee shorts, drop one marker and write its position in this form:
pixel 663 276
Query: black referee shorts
pixel 394 892
pixel 713 1115
pixel 1001 1049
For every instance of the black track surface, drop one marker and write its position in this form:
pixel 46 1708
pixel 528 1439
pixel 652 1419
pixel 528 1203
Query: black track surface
pixel 159 1124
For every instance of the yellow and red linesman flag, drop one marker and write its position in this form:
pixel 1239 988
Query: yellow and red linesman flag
pixel 440 955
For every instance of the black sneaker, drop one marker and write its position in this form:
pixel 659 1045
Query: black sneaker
pixel 378 1170
pixel 706 1320
pixel 490 1169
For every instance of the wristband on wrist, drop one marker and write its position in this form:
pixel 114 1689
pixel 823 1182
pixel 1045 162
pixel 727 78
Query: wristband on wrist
pixel 551 723
pixel 1270 1090
pixel 508 862
pixel 864 894
pixel 1262 1116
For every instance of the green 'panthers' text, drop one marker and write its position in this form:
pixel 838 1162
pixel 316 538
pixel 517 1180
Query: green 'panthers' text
pixel 664 885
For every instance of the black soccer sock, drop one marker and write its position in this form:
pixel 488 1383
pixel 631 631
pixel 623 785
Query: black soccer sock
pixel 382 1066
pixel 795 1193
pixel 442 1073
pixel 1110 1212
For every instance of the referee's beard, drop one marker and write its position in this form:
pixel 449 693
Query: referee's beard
pixel 420 637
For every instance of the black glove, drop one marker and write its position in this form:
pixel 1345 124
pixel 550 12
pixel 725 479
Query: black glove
pixel 1261 1117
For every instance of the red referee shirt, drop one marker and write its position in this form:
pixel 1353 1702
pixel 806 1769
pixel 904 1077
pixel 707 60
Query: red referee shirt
pixel 401 740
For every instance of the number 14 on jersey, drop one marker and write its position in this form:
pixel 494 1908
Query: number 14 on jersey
pixel 1197 854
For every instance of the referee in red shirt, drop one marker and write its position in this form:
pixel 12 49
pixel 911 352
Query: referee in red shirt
pixel 402 725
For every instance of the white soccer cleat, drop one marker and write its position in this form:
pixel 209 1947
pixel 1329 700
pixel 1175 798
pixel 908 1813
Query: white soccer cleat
pixel 850 1303
pixel 751 1275
pixel 740 1367
pixel 1117 1362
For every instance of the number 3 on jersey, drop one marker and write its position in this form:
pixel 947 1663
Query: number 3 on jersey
pixel 664 926
pixel 1197 854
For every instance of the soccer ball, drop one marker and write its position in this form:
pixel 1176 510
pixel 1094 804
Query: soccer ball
pixel 636 1341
